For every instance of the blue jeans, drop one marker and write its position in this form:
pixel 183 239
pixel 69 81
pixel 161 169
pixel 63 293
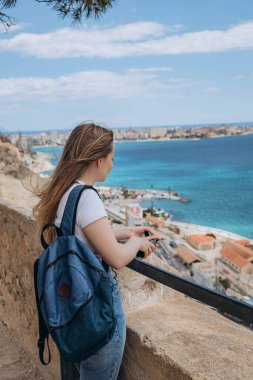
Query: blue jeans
pixel 105 364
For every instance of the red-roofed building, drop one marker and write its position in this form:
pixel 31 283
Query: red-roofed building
pixel 236 264
pixel 243 250
pixel 187 256
pixel 201 242
pixel 244 242
pixel 232 257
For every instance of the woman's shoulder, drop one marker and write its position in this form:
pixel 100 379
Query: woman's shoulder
pixel 90 208
pixel 90 196
pixel 62 204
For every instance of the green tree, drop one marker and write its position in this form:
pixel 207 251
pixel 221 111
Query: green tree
pixel 125 192
pixel 211 234
pixel 225 282
pixel 75 9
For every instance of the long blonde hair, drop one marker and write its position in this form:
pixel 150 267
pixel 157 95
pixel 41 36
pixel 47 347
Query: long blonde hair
pixel 87 142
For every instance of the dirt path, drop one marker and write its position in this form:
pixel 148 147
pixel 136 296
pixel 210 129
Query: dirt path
pixel 14 362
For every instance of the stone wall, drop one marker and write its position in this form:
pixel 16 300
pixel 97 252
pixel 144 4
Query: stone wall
pixel 169 335
pixel 18 250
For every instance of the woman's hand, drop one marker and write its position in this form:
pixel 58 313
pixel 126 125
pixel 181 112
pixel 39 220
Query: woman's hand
pixel 146 246
pixel 125 233
pixel 113 253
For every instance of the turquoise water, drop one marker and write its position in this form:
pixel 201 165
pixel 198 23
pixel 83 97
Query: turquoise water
pixel 215 174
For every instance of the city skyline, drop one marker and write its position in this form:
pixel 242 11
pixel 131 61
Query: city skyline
pixel 139 65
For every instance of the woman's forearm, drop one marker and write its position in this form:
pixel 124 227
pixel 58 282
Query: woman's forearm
pixel 126 252
pixel 121 233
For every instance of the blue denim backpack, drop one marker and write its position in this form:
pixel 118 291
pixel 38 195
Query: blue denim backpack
pixel 73 292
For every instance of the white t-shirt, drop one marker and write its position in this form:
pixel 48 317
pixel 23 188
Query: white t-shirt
pixel 90 208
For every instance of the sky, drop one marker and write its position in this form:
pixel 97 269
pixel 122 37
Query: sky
pixel 144 63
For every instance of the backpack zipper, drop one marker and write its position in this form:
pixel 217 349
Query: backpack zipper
pixel 72 252
pixel 52 328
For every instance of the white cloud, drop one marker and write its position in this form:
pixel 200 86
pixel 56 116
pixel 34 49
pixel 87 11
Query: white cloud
pixel 83 42
pixel 14 28
pixel 87 84
pixel 136 39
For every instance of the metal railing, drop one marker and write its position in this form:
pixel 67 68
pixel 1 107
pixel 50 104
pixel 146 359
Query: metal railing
pixel 238 311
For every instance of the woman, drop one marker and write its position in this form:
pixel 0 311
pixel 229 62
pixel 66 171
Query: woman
pixel 87 158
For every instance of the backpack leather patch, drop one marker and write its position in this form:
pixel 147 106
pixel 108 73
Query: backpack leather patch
pixel 64 290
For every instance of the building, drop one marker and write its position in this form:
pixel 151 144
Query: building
pixel 204 274
pixel 118 135
pixel 237 258
pixel 143 135
pixel 157 132
pixel 244 242
pixel 236 264
pixel 186 256
pixel 134 214
pixel 201 242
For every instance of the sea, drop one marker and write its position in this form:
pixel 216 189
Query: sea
pixel 216 175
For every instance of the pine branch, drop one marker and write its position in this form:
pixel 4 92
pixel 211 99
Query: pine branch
pixel 6 21
pixel 75 9
pixel 8 3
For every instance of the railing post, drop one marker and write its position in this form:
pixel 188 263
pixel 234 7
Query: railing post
pixel 68 371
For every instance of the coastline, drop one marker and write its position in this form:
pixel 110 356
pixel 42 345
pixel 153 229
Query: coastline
pixel 198 228
pixel 184 139
pixel 158 139
pixel 174 207
pixel 13 190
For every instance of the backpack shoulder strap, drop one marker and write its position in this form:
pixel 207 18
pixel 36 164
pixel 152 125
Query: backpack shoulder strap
pixel 67 226
pixel 42 239
pixel 43 331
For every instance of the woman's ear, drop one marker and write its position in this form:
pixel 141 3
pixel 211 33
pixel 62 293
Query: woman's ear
pixel 98 162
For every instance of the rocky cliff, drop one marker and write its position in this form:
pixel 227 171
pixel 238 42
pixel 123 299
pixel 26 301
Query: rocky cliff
pixel 10 159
